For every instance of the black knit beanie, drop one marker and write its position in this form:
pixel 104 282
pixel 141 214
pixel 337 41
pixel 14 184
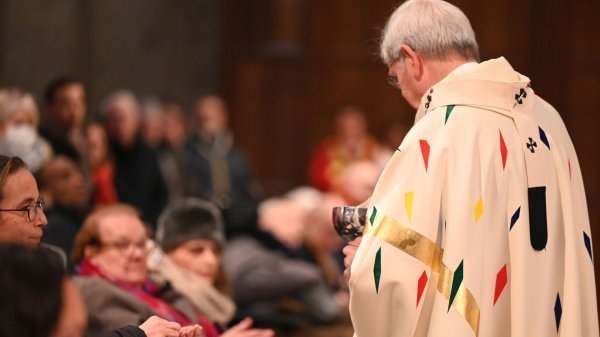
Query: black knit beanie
pixel 188 220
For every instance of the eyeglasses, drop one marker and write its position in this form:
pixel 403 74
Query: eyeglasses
pixel 392 78
pixel 125 246
pixel 393 81
pixel 31 209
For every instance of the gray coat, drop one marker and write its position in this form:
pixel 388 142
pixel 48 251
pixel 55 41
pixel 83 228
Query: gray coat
pixel 110 307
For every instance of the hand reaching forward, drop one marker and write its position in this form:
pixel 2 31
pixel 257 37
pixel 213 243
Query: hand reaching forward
pixel 244 329
pixel 191 331
pixel 158 327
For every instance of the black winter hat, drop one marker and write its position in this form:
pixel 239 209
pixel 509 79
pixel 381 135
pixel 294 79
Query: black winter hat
pixel 188 220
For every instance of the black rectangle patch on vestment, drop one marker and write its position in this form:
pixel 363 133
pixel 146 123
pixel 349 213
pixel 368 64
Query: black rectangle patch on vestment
pixel 538 222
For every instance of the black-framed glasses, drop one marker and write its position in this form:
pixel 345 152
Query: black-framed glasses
pixel 31 209
pixel 393 81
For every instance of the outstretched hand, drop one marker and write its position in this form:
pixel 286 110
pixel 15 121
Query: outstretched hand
pixel 244 329
pixel 191 331
pixel 158 327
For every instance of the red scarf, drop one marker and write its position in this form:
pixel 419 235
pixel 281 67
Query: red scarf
pixel 148 293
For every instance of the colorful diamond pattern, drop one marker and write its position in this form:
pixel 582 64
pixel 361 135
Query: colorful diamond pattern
pixel 515 217
pixel 456 282
pixel 425 152
pixel 478 209
pixel 449 109
pixel 377 269
pixel 421 286
pixel 372 217
pixel 557 311
pixel 501 280
pixel 408 203
pixel 588 244
pixel 503 150
pixel 543 138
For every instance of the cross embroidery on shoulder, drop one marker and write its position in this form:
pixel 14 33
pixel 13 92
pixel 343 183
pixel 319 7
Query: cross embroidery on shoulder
pixel 519 97
pixel 531 145
pixel 428 99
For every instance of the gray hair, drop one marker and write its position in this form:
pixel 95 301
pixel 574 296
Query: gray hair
pixel 124 97
pixel 433 28
pixel 13 99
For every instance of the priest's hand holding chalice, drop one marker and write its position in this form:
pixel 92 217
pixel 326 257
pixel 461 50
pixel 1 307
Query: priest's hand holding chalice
pixel 349 223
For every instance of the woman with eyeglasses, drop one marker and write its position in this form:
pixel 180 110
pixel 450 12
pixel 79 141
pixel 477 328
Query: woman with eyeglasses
pixel 110 256
pixel 21 208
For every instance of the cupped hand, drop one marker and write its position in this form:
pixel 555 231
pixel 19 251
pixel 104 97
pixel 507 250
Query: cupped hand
pixel 244 329
pixel 158 327
pixel 191 331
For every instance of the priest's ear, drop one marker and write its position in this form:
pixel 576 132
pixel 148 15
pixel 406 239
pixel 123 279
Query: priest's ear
pixel 412 62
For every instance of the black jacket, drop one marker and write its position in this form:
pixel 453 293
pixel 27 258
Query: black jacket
pixel 127 331
pixel 138 180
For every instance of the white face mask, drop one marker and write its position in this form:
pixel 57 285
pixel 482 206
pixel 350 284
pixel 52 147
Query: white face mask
pixel 21 136
pixel 23 140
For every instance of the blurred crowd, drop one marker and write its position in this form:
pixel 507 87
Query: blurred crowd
pixel 157 213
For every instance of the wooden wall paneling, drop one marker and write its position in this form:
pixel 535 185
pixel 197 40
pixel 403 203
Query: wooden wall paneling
pixel 581 92
pixel 548 68
pixel 338 47
pixel 343 59
pixel 244 116
pixel 39 42
pixel 166 49
pixel 3 42
pixel 270 111
pixel 151 47
pixel 582 85
pixel 283 127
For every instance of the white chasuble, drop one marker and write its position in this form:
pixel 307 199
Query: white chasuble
pixel 478 225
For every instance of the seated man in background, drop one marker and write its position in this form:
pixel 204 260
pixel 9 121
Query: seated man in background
pixel 65 109
pixel 67 197
pixel 218 169
pixel 273 266
pixel 137 177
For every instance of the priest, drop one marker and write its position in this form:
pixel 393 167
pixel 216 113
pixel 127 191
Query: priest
pixel 478 225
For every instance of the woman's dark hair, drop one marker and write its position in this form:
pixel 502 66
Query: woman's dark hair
pixel 8 166
pixel 55 85
pixel 31 282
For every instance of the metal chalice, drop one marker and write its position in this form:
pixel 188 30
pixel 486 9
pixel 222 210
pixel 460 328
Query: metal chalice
pixel 349 221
